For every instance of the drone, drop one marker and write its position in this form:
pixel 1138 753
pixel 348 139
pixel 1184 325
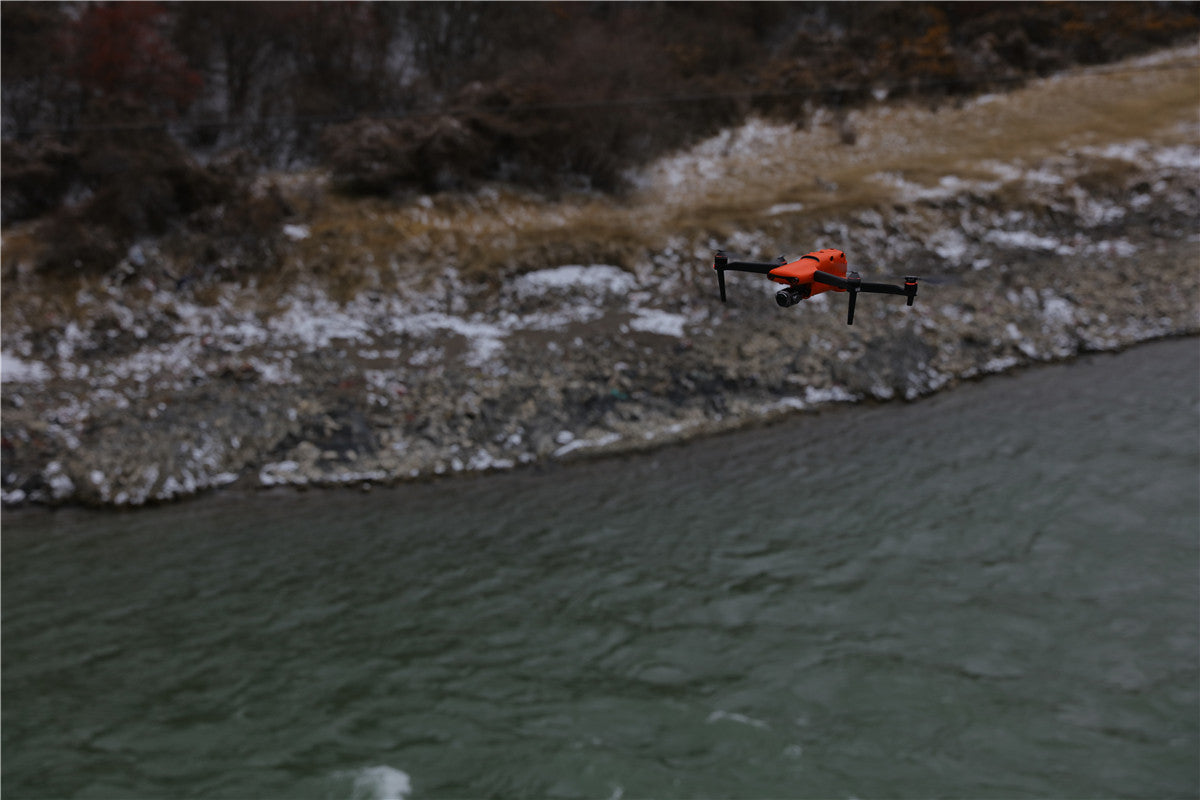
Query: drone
pixel 811 274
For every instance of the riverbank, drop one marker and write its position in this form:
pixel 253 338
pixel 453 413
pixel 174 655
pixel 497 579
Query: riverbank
pixel 1052 221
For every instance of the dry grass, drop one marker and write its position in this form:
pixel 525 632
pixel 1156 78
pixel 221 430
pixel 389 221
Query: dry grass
pixel 29 302
pixel 498 232
pixel 357 244
pixel 21 248
pixel 1051 116
pixel 483 236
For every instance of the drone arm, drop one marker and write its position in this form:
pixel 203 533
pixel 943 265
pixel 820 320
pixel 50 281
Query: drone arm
pixel 722 263
pixel 854 284
pixel 881 288
pixel 758 267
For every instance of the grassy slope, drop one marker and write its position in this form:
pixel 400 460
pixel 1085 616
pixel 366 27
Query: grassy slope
pixel 725 185
pixel 707 194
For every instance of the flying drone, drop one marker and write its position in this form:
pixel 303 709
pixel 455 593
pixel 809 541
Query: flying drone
pixel 811 274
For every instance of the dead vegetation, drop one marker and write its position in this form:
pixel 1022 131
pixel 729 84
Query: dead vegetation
pixel 399 228
pixel 788 180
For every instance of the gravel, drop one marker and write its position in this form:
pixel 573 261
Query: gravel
pixel 150 396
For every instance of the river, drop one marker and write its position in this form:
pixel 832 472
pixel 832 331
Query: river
pixel 992 592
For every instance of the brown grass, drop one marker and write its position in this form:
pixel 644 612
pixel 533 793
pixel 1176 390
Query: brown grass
pixel 388 244
pixel 494 233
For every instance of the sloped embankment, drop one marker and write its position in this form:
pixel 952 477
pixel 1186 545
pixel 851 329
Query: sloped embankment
pixel 1035 240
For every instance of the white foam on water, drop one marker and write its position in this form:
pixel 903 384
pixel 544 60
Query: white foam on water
pixel 377 783
pixel 733 716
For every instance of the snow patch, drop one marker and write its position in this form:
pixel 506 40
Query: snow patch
pixel 1057 311
pixel 654 320
pixel 1180 157
pixel 486 338
pixel 950 244
pixel 602 279
pixel 1024 240
pixel 571 444
pixel 713 159
pixel 13 369
pixel 316 322
pixel 60 483
pixel 834 394
pixel 280 473
pixel 947 187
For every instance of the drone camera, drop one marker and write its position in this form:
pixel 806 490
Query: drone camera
pixel 790 296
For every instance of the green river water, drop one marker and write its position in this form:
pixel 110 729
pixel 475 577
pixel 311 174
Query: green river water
pixel 993 592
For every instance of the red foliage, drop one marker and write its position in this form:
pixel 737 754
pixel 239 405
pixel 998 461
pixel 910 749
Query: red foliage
pixel 122 50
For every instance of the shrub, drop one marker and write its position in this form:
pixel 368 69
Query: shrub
pixel 37 175
pixel 125 184
pixel 428 153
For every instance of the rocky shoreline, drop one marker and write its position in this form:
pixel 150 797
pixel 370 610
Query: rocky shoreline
pixel 147 395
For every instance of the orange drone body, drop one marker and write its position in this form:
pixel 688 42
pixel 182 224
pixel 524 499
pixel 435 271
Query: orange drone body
pixel 803 270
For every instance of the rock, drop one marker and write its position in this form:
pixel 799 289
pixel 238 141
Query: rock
pixel 1036 265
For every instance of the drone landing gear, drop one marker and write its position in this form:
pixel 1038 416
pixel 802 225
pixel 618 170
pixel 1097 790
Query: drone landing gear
pixel 853 284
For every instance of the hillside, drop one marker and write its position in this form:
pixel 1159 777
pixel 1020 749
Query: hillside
pixel 424 334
